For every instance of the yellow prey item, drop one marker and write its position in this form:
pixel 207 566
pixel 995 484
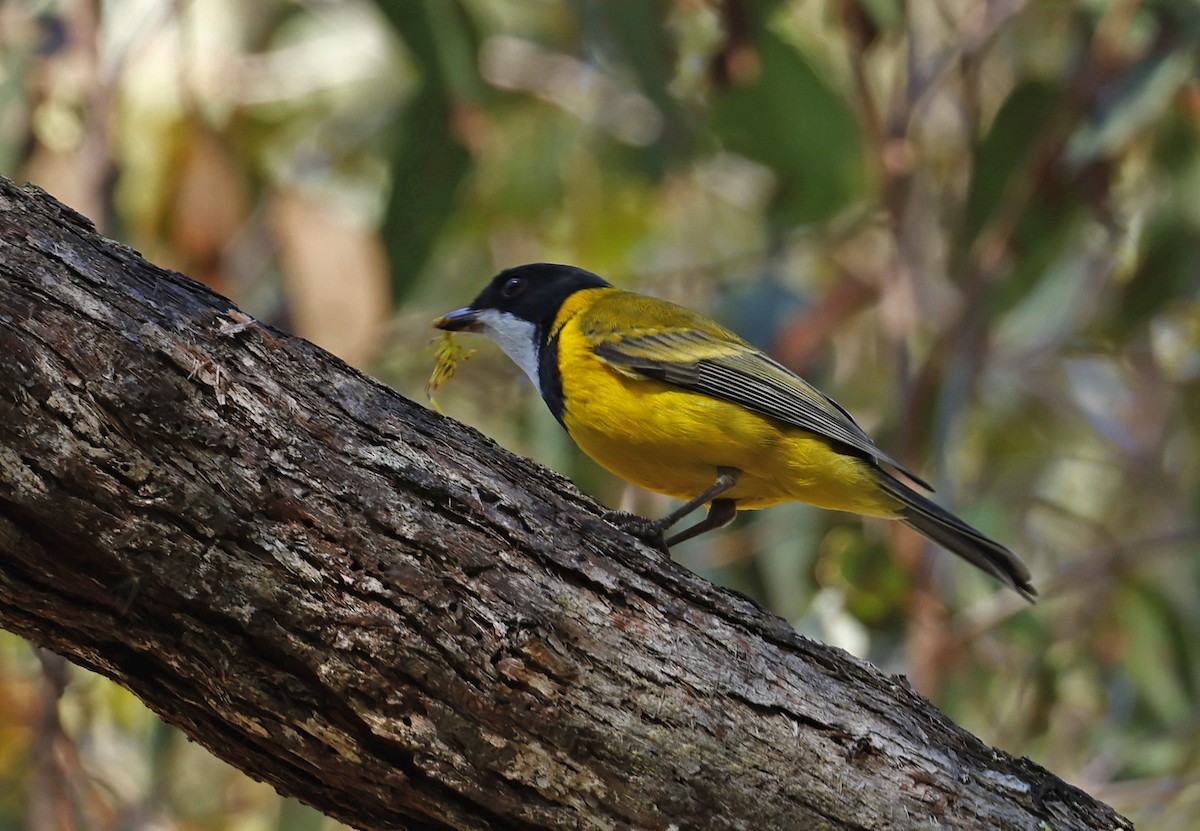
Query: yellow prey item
pixel 449 354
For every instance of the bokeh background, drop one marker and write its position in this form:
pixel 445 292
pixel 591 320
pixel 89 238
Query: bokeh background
pixel 974 222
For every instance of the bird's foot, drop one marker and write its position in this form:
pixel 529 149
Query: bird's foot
pixel 648 531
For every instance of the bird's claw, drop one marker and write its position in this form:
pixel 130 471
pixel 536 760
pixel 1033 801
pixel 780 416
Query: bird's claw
pixel 646 530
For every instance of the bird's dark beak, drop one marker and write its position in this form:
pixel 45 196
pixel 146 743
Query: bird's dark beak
pixel 459 320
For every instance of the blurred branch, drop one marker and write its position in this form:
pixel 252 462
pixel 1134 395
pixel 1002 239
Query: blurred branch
pixel 379 611
pixel 811 330
pixel 49 806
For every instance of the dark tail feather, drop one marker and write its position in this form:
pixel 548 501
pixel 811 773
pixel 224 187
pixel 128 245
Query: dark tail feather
pixel 950 532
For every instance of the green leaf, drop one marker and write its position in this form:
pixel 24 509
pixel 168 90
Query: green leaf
pixel 790 120
pixel 428 167
pixel 1006 151
pixel 1168 259
pixel 1167 271
pixel 885 14
pixel 1141 97
pixel 639 35
pixel 1158 659
pixel 1046 230
pixel 428 162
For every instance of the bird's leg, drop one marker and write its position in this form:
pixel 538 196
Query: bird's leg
pixel 720 513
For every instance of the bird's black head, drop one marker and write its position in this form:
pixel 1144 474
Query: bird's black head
pixel 518 307
pixel 535 292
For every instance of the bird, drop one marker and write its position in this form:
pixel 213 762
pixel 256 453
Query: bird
pixel 667 399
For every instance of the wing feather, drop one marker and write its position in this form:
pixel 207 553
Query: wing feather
pixel 722 365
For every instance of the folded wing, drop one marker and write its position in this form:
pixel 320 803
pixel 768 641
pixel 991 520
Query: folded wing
pixel 716 362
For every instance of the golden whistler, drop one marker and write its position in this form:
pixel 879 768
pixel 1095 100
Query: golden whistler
pixel 674 402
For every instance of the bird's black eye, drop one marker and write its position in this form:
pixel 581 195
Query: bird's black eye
pixel 512 287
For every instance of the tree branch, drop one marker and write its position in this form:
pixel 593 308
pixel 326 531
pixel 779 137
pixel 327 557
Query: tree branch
pixel 381 612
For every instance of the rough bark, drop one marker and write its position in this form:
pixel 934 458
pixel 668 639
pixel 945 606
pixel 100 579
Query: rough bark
pixel 381 612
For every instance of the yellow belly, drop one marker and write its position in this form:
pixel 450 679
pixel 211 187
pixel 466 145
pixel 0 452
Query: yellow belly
pixel 671 441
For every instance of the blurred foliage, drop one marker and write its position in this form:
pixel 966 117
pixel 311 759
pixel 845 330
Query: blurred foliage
pixel 977 223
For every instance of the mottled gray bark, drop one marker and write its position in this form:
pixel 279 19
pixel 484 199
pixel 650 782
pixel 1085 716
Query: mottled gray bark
pixel 381 612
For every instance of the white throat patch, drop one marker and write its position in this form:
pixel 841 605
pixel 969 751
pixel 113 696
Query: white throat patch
pixel 517 337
